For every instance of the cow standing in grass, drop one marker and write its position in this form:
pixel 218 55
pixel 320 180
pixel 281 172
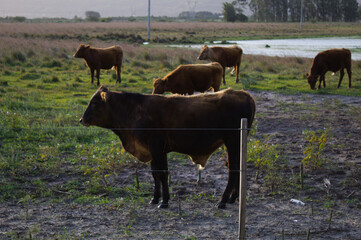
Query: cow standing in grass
pixel 226 56
pixel 150 126
pixel 190 78
pixel 330 60
pixel 101 58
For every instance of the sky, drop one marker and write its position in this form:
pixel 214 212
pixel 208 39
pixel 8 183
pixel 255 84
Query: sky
pixel 106 8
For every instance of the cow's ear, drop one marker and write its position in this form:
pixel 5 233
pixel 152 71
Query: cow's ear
pixel 307 75
pixel 103 88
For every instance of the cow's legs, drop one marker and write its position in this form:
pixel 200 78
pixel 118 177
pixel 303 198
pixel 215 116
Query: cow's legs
pixel 232 189
pixel 342 73
pixel 98 75
pixel 157 184
pixel 237 72
pixel 159 168
pixel 224 75
pixel 216 87
pixel 322 78
pixel 118 68
pixel 92 74
pixel 349 73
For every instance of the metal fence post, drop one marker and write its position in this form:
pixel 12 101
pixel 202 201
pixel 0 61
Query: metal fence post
pixel 243 180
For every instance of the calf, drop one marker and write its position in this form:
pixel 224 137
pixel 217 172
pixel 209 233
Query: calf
pixel 226 56
pixel 150 126
pixel 190 78
pixel 101 58
pixel 330 60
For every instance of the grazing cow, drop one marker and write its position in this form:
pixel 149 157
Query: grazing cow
pixel 190 78
pixel 330 60
pixel 150 126
pixel 226 56
pixel 101 58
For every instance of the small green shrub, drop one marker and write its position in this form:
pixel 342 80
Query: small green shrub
pixel 267 158
pixel 53 79
pixel 18 56
pixel 4 83
pixel 29 76
pixel 314 151
pixel 51 64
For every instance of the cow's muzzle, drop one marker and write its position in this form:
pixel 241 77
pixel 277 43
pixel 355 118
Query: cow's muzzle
pixel 81 120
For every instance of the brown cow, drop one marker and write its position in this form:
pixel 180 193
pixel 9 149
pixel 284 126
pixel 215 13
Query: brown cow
pixel 190 78
pixel 101 58
pixel 150 126
pixel 226 56
pixel 330 60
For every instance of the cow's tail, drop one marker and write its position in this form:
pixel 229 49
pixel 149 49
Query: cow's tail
pixel 252 104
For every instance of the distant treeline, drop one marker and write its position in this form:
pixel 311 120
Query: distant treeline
pixel 312 10
pixel 262 11
pixel 183 16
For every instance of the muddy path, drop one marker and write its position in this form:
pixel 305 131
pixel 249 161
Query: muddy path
pixel 283 119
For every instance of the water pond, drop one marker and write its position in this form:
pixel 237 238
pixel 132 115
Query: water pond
pixel 304 47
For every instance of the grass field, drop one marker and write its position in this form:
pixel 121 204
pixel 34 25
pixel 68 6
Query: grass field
pixel 44 91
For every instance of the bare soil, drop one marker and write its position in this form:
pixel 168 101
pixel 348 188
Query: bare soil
pixel 192 213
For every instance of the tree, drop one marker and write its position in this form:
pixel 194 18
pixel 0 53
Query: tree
pixel 349 9
pixel 92 16
pixel 229 12
pixel 258 9
pixel 233 11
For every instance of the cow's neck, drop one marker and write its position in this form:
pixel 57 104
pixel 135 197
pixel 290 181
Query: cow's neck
pixel 124 108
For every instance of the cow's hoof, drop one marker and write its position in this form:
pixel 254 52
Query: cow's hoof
pixel 221 205
pixel 154 201
pixel 163 205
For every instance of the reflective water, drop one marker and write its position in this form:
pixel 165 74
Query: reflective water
pixel 306 47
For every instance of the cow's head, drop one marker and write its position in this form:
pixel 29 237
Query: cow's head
pixel 82 49
pixel 98 111
pixel 204 53
pixel 311 79
pixel 158 86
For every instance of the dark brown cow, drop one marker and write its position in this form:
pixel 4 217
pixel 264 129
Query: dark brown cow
pixel 150 126
pixel 330 60
pixel 190 78
pixel 101 58
pixel 226 56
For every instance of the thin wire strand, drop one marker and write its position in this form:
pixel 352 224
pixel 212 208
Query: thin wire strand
pixel 138 129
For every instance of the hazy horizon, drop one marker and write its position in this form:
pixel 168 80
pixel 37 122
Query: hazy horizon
pixel 108 8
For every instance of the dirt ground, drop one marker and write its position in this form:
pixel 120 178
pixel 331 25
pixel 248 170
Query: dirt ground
pixel 192 214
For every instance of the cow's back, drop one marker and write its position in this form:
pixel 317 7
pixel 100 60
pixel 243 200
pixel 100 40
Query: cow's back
pixel 226 56
pixel 111 56
pixel 331 60
pixel 194 77
pixel 212 116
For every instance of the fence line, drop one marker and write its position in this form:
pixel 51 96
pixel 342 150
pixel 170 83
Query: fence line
pixel 134 129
